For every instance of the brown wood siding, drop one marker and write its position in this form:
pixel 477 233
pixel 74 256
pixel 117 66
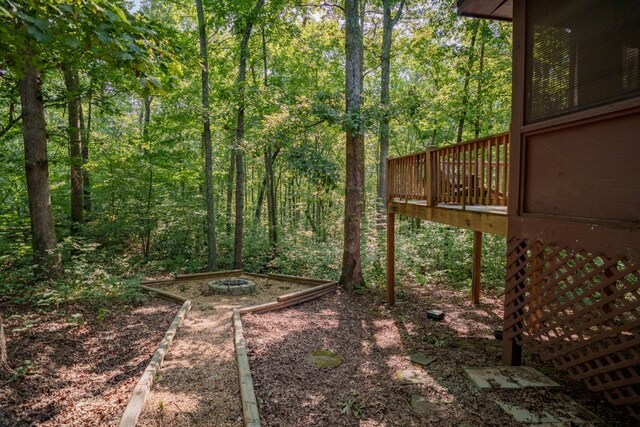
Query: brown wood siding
pixel 585 171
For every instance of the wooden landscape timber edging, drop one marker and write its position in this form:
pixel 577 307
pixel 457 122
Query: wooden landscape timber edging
pixel 289 300
pixel 247 394
pixel 262 276
pixel 158 282
pixel 206 274
pixel 163 294
pixel 141 391
pixel 298 279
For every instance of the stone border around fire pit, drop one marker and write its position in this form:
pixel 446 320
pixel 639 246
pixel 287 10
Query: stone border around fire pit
pixel 232 286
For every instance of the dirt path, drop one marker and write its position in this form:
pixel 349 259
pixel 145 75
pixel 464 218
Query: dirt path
pixel 198 383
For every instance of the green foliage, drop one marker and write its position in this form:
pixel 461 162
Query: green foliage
pixel 147 186
pixel 93 275
pixel 352 408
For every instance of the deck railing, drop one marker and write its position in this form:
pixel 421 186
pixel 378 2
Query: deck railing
pixel 471 173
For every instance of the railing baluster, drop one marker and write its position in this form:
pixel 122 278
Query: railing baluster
pixel 498 171
pixel 490 184
pixel 459 199
pixel 507 164
pixel 475 172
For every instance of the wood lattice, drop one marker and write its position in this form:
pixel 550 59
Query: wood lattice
pixel 579 310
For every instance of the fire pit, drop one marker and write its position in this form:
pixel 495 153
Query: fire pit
pixel 232 286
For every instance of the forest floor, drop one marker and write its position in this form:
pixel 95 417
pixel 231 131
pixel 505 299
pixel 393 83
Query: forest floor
pixel 77 366
pixel 198 382
pixel 84 366
pixel 375 342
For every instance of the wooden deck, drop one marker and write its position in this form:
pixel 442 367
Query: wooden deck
pixel 485 219
pixel 462 185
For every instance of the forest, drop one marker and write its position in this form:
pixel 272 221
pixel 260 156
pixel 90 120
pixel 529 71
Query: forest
pixel 146 174
pixel 146 138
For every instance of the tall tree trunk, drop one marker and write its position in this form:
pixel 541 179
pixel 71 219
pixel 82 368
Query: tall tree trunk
pixel 467 79
pixel 261 191
pixel 148 221
pixel 72 83
pixel 85 134
pixel 354 186
pixel 239 154
pixel 43 235
pixel 269 159
pixel 388 22
pixel 272 214
pixel 212 258
pixel 230 178
pixel 480 80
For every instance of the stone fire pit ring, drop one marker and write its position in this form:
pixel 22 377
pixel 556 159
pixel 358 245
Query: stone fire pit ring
pixel 232 286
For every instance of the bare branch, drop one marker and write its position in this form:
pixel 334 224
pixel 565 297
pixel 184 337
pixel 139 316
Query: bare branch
pixel 7 128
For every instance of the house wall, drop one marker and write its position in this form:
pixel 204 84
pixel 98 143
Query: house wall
pixel 573 258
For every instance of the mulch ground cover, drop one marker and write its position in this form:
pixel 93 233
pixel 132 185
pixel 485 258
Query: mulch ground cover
pixel 78 365
pixel 374 343
pixel 198 382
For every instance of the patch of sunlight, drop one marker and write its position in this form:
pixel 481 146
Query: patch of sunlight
pixel 186 402
pixel 145 311
pixel 313 400
pixel 464 327
pixel 327 312
pixel 386 334
pixel 411 328
pixel 369 369
pixel 365 347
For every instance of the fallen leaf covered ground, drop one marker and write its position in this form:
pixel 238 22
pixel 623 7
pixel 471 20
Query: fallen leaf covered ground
pixel 198 382
pixel 77 366
pixel 375 342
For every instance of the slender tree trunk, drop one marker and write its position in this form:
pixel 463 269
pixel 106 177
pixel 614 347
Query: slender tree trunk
pixel 261 191
pixel 354 186
pixel 467 79
pixel 385 64
pixel 43 235
pixel 86 137
pixel 239 154
pixel 480 80
pixel 230 180
pixel 72 83
pixel 269 159
pixel 148 222
pixel 272 214
pixel 212 258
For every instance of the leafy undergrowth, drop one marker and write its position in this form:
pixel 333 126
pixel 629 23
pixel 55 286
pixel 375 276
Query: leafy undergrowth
pixel 77 365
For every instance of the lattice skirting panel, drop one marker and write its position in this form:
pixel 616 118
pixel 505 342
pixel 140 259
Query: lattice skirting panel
pixel 579 310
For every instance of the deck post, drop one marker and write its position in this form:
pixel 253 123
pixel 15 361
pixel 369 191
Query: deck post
pixel 511 353
pixel 428 177
pixel 391 225
pixel 476 269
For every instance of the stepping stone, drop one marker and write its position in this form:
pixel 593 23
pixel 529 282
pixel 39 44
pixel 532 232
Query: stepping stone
pixel 421 359
pixel 412 376
pixel 421 405
pixel 323 359
pixel 523 415
pixel 508 378
pixel 557 413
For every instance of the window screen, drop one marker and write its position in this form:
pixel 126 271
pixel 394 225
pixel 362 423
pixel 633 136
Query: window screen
pixel 580 54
